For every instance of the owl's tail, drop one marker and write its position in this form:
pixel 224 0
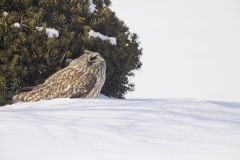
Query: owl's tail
pixel 19 97
pixel 22 94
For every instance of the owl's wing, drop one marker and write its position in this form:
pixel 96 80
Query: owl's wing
pixel 85 85
pixel 61 74
pixel 51 78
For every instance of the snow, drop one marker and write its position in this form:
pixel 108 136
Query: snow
pixel 94 34
pixel 92 6
pixel 5 14
pixel 51 32
pixel 102 96
pixel 39 28
pixel 17 25
pixel 110 129
pixel 69 60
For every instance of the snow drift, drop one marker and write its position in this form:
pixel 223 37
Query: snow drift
pixel 107 129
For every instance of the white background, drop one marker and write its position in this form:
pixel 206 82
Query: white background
pixel 191 48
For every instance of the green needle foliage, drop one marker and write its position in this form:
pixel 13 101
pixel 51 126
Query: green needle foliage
pixel 28 56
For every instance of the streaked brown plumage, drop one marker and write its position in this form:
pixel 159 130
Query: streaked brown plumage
pixel 82 78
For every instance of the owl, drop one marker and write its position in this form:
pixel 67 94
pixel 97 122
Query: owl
pixel 84 77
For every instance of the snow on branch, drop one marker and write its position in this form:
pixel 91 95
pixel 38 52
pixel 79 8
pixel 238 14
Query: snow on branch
pixel 94 34
pixel 17 25
pixel 92 6
pixel 51 32
pixel 5 14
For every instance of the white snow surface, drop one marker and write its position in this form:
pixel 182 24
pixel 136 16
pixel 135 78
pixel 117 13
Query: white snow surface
pixel 51 32
pixel 110 129
pixel 92 6
pixel 17 25
pixel 94 34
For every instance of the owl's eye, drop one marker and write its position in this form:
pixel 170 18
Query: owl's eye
pixel 94 58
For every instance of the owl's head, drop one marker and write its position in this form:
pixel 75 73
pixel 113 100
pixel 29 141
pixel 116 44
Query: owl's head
pixel 88 59
pixel 93 58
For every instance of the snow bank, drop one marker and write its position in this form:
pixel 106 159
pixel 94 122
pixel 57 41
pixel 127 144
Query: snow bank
pixel 51 32
pixel 100 129
pixel 94 34
pixel 102 96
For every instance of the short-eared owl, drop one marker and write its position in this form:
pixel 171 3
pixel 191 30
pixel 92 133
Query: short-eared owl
pixel 82 78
